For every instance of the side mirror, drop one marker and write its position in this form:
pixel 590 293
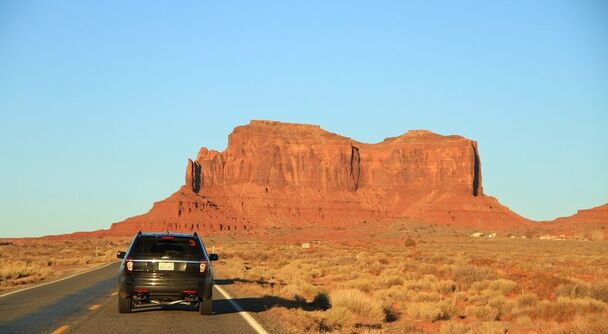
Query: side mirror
pixel 214 257
pixel 121 255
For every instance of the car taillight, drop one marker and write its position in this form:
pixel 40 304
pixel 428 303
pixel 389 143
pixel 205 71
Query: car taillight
pixel 129 265
pixel 202 267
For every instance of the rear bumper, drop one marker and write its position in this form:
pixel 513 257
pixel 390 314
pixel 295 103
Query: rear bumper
pixel 165 287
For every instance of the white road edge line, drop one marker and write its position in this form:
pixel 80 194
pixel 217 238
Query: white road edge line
pixel 58 280
pixel 250 320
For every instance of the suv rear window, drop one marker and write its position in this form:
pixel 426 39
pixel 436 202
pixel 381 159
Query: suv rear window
pixel 173 247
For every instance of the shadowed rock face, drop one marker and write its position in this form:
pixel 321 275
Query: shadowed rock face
pixel 194 176
pixel 276 173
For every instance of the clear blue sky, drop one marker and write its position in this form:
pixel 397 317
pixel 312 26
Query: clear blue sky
pixel 102 102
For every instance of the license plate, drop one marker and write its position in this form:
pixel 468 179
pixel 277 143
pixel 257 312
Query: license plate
pixel 165 266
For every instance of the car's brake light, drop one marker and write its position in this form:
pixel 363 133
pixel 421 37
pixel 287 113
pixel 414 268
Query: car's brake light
pixel 129 265
pixel 167 237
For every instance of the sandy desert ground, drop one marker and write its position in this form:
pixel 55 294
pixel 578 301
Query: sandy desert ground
pixel 432 281
pixel 28 261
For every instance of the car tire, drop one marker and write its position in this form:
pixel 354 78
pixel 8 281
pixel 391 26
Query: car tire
pixel 206 307
pixel 125 305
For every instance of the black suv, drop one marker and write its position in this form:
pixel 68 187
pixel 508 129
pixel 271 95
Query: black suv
pixel 165 268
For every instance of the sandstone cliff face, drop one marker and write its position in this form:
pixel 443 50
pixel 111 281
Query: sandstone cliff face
pixel 300 156
pixel 275 173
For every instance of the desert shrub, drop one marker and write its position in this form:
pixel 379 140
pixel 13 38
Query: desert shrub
pixel 499 287
pixel 375 268
pixel 574 289
pixel 503 286
pixel 394 293
pixel 338 317
pixel 427 282
pixel 477 299
pixel 407 327
pixel 381 257
pixel 527 300
pixel 599 291
pixel 302 289
pixel 358 303
pixel 302 321
pixel 586 305
pixel 543 284
pixel 426 297
pixel 492 327
pixel 431 311
pixel 525 321
pixel 364 283
pixel 466 275
pixel 441 271
pixel 446 286
pixel 480 286
pixel 67 262
pixel 448 310
pixel 410 242
pixel 560 311
pixel 317 272
pixel 504 306
pixel 388 281
pixel 461 295
pixel 455 328
pixel 483 312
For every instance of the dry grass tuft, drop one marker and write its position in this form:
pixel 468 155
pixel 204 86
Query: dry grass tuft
pixel 527 300
pixel 467 275
pixel 431 311
pixel 483 312
pixel 410 242
pixel 358 303
pixel 338 317
pixel 558 311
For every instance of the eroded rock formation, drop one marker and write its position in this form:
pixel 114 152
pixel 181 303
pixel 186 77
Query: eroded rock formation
pixel 274 173
pixel 586 223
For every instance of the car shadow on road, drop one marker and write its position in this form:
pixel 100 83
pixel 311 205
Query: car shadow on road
pixel 229 281
pixel 262 304
pixel 257 305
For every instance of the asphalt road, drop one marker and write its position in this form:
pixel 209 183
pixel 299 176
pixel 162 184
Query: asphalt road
pixel 86 304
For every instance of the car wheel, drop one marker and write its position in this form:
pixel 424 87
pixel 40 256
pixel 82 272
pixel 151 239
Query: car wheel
pixel 124 305
pixel 206 307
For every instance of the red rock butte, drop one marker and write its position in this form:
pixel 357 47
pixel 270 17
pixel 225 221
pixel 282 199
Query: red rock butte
pixel 283 174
